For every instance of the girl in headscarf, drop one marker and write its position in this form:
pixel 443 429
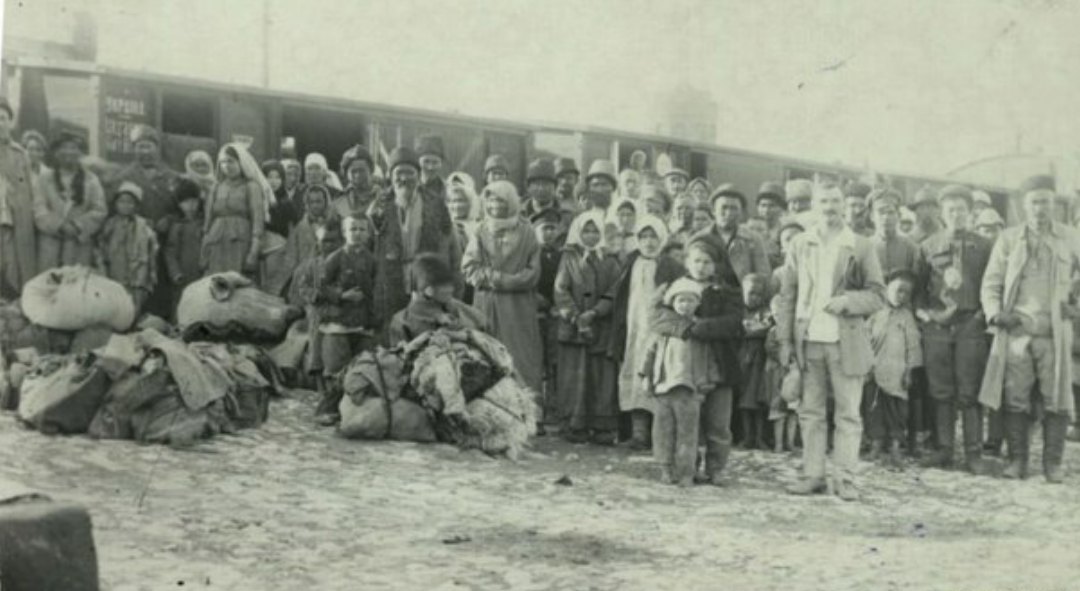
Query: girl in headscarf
pixel 317 172
pixel 128 247
pixel 319 217
pixel 236 213
pixel 69 208
pixel 700 190
pixel 634 294
pixel 464 204
pixel 36 148
pixel 502 263
pixel 622 217
pixel 199 167
pixel 587 377
pixel 283 217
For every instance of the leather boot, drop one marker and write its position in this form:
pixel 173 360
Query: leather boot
pixel 972 426
pixel 1016 433
pixel 640 429
pixel 945 429
pixel 1055 427
pixel 327 414
pixel 715 469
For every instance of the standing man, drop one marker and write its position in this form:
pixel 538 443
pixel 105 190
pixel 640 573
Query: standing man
pixel 601 183
pixel 927 215
pixel 18 237
pixel 567 177
pixel 676 180
pixel 954 329
pixel 294 188
pixel 799 193
pixel 771 204
pixel 1028 295
pixel 745 249
pixel 432 156
pixel 830 284
pixel 855 211
pixel 357 166
pixel 540 184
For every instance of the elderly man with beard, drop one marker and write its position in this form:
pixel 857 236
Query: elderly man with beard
pixel 408 222
pixel 830 284
pixel 1029 296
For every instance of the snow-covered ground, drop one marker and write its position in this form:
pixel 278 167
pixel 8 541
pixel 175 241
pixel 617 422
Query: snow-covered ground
pixel 289 506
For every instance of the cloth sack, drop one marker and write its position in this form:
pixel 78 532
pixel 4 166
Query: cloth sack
pixel 405 421
pixel 228 305
pixel 73 298
pixel 62 395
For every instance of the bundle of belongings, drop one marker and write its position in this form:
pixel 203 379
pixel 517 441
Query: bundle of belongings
pixel 228 306
pixel 150 388
pixel 455 386
pixel 73 298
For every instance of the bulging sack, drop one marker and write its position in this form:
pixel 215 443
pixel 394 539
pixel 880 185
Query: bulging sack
pixel 74 298
pixel 62 395
pixel 406 421
pixel 229 303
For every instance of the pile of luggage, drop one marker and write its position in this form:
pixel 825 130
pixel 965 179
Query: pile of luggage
pixel 71 361
pixel 455 386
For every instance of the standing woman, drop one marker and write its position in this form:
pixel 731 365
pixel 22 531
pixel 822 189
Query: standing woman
pixel 36 148
pixel 69 207
pixel 588 398
pixel 502 263
pixel 236 214
pixel 18 247
pixel 283 217
pixel 199 167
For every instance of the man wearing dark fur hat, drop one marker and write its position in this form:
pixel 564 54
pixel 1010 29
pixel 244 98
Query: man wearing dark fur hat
pixel 357 167
pixel 432 304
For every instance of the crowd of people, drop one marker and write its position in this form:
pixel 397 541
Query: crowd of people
pixel 645 307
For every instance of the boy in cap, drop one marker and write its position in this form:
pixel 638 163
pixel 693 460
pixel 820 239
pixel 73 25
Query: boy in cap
pixel 567 177
pixel 540 183
pixel 128 246
pixel 799 193
pixel 432 303
pixel 601 183
pixel 927 215
pixel 988 224
pixel 855 210
pixel 676 180
pixel 496 169
pixel 954 328
pixel 549 233
pixel 1030 298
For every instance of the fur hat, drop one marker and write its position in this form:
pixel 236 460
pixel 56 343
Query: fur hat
pixel 67 136
pixel 353 154
pixel 402 156
pixel 564 166
pixel 496 162
pixel 430 270
pixel 684 285
pixel 540 169
pixel 799 189
pixel 429 145
pixel 1039 182
pixel 131 189
pixel 772 191
pixel 187 189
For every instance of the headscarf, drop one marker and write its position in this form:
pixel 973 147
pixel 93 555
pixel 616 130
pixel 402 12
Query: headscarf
pixel 506 191
pixel 251 171
pixel 655 224
pixel 699 181
pixel 573 237
pixel 461 181
pixel 276 166
pixel 319 160
pixel 308 192
pixel 205 180
pixel 613 212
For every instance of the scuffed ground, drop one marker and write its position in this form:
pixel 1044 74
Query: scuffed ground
pixel 292 507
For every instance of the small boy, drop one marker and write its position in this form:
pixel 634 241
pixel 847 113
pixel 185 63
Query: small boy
pixel 305 291
pixel 754 394
pixel 432 304
pixel 127 246
pixel 345 296
pixel 547 227
pixel 897 345
pixel 183 242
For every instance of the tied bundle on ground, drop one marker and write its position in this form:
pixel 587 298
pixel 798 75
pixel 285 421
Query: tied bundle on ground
pixel 228 306
pixel 74 298
pixel 456 386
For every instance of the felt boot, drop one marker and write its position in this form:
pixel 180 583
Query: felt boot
pixel 973 428
pixel 945 429
pixel 1055 427
pixel 326 414
pixel 640 430
pixel 1016 433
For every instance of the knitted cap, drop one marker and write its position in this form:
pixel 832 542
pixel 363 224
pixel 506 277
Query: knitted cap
pixel 684 285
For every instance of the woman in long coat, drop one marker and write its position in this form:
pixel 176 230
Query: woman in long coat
pixel 587 377
pixel 69 208
pixel 236 213
pixel 502 263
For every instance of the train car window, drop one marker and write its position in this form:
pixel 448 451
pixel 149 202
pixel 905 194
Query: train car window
pixel 184 114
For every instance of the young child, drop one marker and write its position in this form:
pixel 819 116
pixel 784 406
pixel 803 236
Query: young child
pixel 547 228
pixel 781 411
pixel 621 222
pixel 675 251
pixel 754 389
pixel 897 345
pixel 679 371
pixel 127 246
pixel 588 400
pixel 432 304
pixel 346 323
pixel 703 216
pixel 304 291
pixel 184 239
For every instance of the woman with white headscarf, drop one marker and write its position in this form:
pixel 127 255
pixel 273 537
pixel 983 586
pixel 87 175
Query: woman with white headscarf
pixel 502 263
pixel 317 172
pixel 464 204
pixel 639 282
pixel 199 167
pixel 236 213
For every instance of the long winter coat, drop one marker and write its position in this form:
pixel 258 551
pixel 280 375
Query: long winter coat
pixel 18 251
pixel 999 288
pixel 53 208
pixel 504 268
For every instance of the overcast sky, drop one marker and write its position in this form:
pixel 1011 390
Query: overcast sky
pixel 911 85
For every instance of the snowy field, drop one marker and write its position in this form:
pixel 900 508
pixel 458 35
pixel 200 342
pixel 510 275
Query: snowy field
pixel 290 506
